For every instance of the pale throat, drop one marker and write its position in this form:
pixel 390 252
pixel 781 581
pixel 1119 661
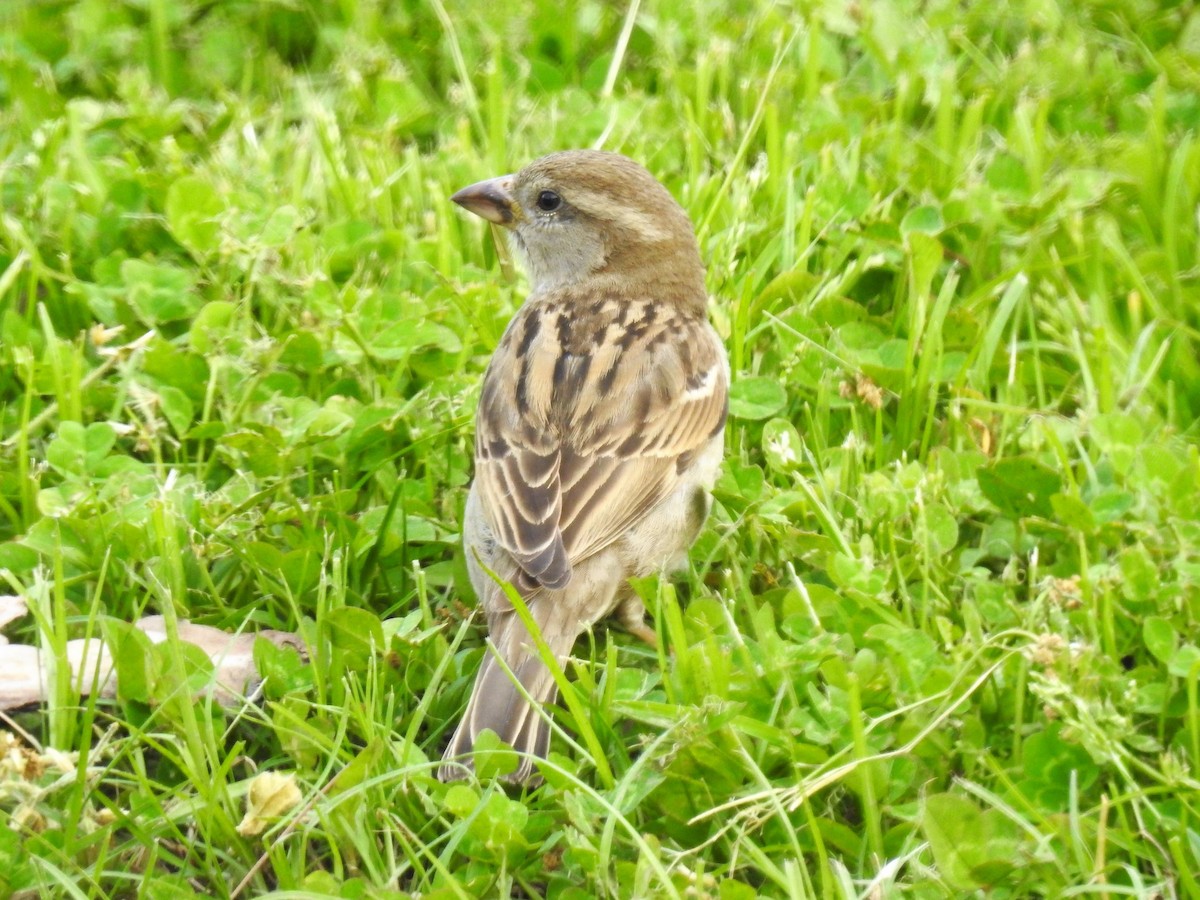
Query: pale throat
pixel 584 258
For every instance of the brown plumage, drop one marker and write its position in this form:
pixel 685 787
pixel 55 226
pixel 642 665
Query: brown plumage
pixel 600 426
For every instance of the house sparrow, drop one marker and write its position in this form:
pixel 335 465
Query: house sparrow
pixel 600 428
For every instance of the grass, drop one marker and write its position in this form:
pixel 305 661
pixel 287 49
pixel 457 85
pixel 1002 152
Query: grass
pixel 940 638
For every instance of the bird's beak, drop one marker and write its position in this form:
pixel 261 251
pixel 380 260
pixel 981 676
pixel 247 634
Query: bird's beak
pixel 491 200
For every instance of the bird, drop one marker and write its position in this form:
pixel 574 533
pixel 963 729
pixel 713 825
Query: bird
pixel 599 431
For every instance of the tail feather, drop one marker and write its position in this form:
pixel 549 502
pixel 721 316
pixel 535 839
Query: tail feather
pixel 497 704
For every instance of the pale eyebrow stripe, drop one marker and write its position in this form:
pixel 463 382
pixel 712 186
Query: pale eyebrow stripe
pixel 604 207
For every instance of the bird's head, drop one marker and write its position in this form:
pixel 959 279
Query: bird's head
pixel 587 216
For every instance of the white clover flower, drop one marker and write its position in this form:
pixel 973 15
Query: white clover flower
pixel 781 447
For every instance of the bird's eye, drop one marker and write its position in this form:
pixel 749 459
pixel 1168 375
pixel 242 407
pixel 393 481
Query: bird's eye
pixel 548 201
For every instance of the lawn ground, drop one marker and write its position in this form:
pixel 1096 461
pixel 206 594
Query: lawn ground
pixel 940 636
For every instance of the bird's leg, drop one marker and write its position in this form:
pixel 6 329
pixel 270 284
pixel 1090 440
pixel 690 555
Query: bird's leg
pixel 632 616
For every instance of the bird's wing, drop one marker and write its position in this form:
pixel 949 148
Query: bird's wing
pixel 587 422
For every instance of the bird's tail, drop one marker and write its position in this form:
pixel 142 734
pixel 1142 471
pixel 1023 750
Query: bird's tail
pixel 498 704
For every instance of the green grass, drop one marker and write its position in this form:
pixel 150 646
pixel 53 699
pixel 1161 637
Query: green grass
pixel 940 638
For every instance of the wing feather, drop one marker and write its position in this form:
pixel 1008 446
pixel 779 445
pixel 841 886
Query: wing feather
pixel 605 410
